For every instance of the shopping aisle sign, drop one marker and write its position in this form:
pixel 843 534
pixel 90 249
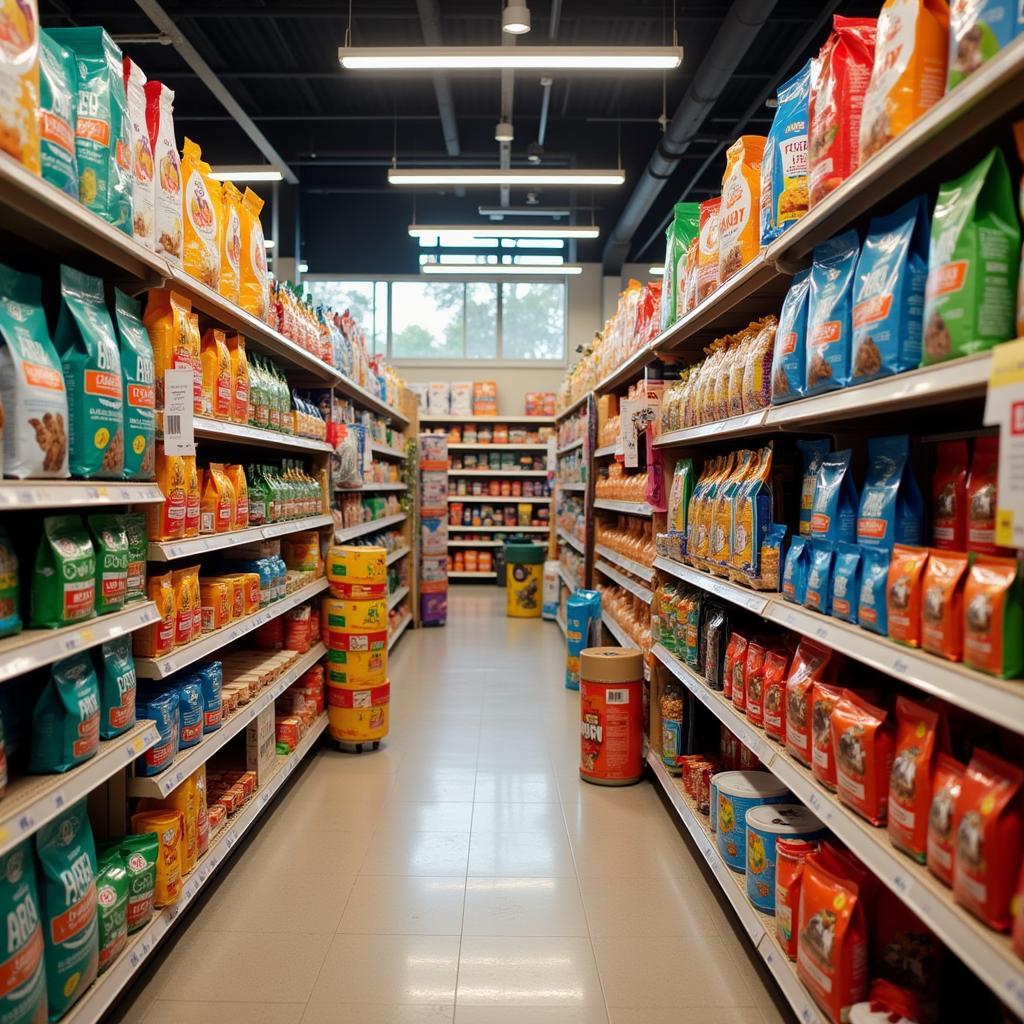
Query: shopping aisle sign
pixel 1004 406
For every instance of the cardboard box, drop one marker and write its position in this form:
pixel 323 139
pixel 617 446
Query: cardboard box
pixel 261 746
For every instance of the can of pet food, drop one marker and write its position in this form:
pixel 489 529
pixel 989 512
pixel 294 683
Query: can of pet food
pixel 611 716
pixel 357 572
pixel 766 825
pixel 737 793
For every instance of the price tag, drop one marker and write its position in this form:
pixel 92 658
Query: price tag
pixel 1004 405
pixel 179 427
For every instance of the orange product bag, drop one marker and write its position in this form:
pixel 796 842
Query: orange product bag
pixel 863 744
pixel 910 782
pixel 230 241
pixel 790 857
pixel 19 82
pixel 217 505
pixel 200 203
pixel 253 280
pixel 192 496
pixel 195 347
pixel 236 477
pixel 753 682
pixel 811 662
pixel 988 823
pixel 216 598
pixel 942 604
pixel 776 669
pixel 216 364
pixel 994 617
pixel 169 827
pixel 707 249
pixel 184 605
pixel 157 639
pixel 739 229
pixel 166 520
pixel 909 70
pixel 166 320
pixel 832 943
pixel 983 497
pixel 735 651
pixel 202 811
pixel 903 591
pixel 949 777
pixel 839 80
pixel 239 379
pixel 824 698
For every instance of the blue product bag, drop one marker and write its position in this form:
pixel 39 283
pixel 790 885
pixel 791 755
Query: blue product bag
pixel 794 572
pixel 846 582
pixel 830 314
pixel 190 713
pixel 818 594
pixel 812 453
pixel 211 678
pixel 582 614
pixel 790 342
pixel 834 513
pixel 162 707
pixel 784 164
pixel 888 293
pixel 874 576
pixel 891 506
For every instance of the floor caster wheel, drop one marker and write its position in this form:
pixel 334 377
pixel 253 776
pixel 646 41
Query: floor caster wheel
pixel 376 744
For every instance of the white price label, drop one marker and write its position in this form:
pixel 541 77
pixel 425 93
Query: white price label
pixel 179 428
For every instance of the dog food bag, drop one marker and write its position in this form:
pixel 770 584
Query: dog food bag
pixel 166 320
pixel 217 507
pixel 190 714
pixel 58 103
pixel 812 454
pixel 888 293
pixel 23 982
pixel 983 497
pixel 824 698
pixel 795 570
pixel 187 604
pixel 707 248
pixel 776 670
pixel 139 408
pixel 66 717
pixel 115 670
pixel 910 783
pixel 112 905
pixel 942 604
pixel 143 171
pixel 891 508
pixel 903 594
pixel 752 513
pixel 811 663
pixel 239 378
pixel 863 743
pixel 788 378
pixel 253 282
pixel 169 826
pixel 91 362
pixel 949 775
pixel 978 30
pixel 103 137
pixel 784 165
pixel 753 681
pixel 829 313
pixel 201 254
pixel 739 234
pixel 834 511
pixel 790 854
pixel 32 392
pixel 64 574
pixel 949 496
pixel 972 263
pixel 874 578
pixel 846 582
pixel 734 668
pixel 909 70
pixel 157 639
pixel 839 80
pixel 680 233
pixel 167 170
pixel 66 855
pixel 19 82
pixel 832 945
pixel 110 543
pixel 10 591
pixel 994 617
pixel 216 363
pixel 162 707
pixel 988 823
pixel 230 241
pixel 818 594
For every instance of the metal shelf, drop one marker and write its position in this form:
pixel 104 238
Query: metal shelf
pixel 623 581
pixel 241 433
pixel 22 494
pixel 488 446
pixel 396 597
pixel 351 532
pixel 574 486
pixel 566 577
pixel 486 499
pixel 628 371
pixel 541 421
pixel 571 446
pixel 474 543
pixel 503 474
pixel 389 453
pixel 398 631
pixel 363 488
pixel 572 406
pixel 362 397
pixel 571 540
pixel 645 572
pixel 633 508
pixel 170 550
pixel 502 529
pixel 734 426
pixel 472 575
pixel 608 449
pixel 621 636
pixel 395 555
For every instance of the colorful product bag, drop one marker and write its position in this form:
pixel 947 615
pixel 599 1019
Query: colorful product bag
pixel 784 166
pixel 978 30
pixel 680 233
pixel 891 507
pixel 829 314
pixel 788 377
pixel 58 102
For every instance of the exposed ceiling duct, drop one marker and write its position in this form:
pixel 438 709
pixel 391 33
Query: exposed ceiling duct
pixel 545 103
pixel 738 31
pixel 430 21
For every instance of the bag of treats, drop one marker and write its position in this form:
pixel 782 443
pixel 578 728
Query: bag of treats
pixel 983 497
pixel 811 663
pixel 169 827
pixel 58 103
pixel 167 212
pixel 91 362
pixel 139 390
pixel 19 83
pixel 115 671
pixel 680 233
pixel 910 782
pixel 776 671
pixel 143 171
pixel 64 574
pixel 994 617
pixel 714 630
pixel 240 521
pixel 829 314
pixel 791 855
pixel 978 30
pixel 162 707
pixel 190 713
pixel 135 531
pixel 32 392
pixel 230 241
pixel 200 205
pixel 707 249
pixel 972 263
pixel 253 288
pixel 942 604
pixel 874 580
pixel 949 776
pixel 771 558
pixel 846 582
pixel 903 594
pixel 140 853
pixel 735 649
pixel 949 496
pixel 824 698
pixel 753 682
pixel 757 373
pixel 795 570
pixel 784 165
pixel 110 542
pixel 834 512
pixel 752 513
pixel 788 376
pixel 988 823
pixel 739 231
pixel 818 594
pixel 891 508
pixel 66 717
pixel 909 70
pixel 863 744
pixel 166 320
pixel 193 496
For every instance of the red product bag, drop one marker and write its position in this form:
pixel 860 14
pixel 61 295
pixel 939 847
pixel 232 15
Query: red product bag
pixel 949 496
pixel 839 79
pixel 753 682
pixel 739 675
pixel 735 650
pixel 823 700
pixel 776 669
pixel 988 824
pixel 811 662
pixel 949 777
pixel 790 856
pixel 863 743
pixel 910 781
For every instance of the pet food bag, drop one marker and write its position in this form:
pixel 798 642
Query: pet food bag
pixel 166 320
pixel 824 698
pixel 994 617
pixel 739 233
pixel 949 496
pixel 110 542
pixel 139 392
pixel 200 207
pixel 64 574
pixel 143 172
pixel 103 137
pixel 909 70
pixel 788 375
pixel 811 663
pixel 167 211
pixel 253 277
pixel 863 744
pixel 818 593
pixel 10 591
pixel 874 579
pixel 839 80
pixel 846 582
pixel 230 242
pixel 66 717
pixel 162 707
pixel 942 604
pixel 169 827
pixel 58 104
pixel 949 775
pixel 32 392
pixel 19 82
pixel 972 264
pixel 683 230
pixel 829 314
pixel 903 594
pixel 812 455
pixel 795 570
pixel 784 165
pixel 891 507
pixel 91 362
pixel 834 512
pixel 217 386
pixel 66 856
pixel 23 981
pixel 983 497
pixel 707 249
pixel 910 782
pixel 112 905
pixel 978 30
pixel 776 669
pixel 135 530
pixel 115 671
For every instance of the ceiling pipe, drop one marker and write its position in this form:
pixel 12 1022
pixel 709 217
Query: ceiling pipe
pixel 430 21
pixel 545 103
pixel 738 31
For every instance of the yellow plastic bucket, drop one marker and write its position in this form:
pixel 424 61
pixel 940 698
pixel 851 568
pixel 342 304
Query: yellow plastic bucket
pixel 524 581
pixel 358 715
pixel 357 668
pixel 357 572
pixel 348 616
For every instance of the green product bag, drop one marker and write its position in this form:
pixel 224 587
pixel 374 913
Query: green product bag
pixel 140 853
pixel 23 993
pixel 64 574
pixel 91 363
pixel 66 718
pixel 58 99
pixel 111 905
pixel 10 592
pixel 681 232
pixel 139 389
pixel 679 496
pixel 115 670
pixel 66 856
pixel 111 544
pixel 970 299
pixel 138 547
pixel 103 140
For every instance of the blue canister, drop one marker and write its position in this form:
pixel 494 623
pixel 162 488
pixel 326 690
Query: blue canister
pixel 737 793
pixel 713 812
pixel 582 615
pixel 765 826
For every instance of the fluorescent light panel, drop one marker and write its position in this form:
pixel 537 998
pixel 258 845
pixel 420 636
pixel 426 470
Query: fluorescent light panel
pixel 499 58
pixel 504 269
pixel 248 172
pixel 657 270
pixel 474 231
pixel 492 176
pixel 524 211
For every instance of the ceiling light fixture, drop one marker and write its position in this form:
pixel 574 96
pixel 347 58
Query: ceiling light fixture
pixel 515 19
pixel 269 243
pixel 475 231
pixel 503 132
pixel 656 271
pixel 503 269
pixel 523 211
pixel 514 58
pixel 247 172
pixel 492 176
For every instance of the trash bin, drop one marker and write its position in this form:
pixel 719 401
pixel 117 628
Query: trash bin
pixel 524 580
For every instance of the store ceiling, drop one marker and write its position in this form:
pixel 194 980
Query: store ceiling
pixel 338 130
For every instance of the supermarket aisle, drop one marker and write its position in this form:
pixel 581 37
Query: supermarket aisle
pixel 463 873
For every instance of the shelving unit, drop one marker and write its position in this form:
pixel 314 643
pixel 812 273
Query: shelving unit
pixel 372 487
pixel 348 533
pixel 632 508
pixel 256 437
pixel 74 493
pixel 623 581
pixel 171 550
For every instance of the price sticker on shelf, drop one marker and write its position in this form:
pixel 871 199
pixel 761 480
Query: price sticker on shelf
pixel 1004 407
pixel 179 426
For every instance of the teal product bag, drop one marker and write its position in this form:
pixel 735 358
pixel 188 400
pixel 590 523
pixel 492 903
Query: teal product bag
pixel 58 101
pixel 834 513
pixel 846 582
pixel 115 670
pixel 139 391
pixel 582 615
pixel 784 165
pixel 795 570
pixel 790 342
pixel 830 314
pixel 874 577
pixel 812 453
pixel 23 1000
pixel 66 718
pixel 818 594
pixel 891 507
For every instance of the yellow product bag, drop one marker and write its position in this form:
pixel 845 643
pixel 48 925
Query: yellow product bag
pixel 184 607
pixel 216 597
pixel 216 364
pixel 169 826
pixel 19 81
pixel 230 241
pixel 301 552
pixel 199 217
pixel 236 476
pixel 192 496
pixel 166 320
pixel 239 379
pixel 183 800
pixel 909 71
pixel 166 521
pixel 157 639
pixel 253 281
pixel 202 811
pixel 195 348
pixel 739 225
pixel 217 504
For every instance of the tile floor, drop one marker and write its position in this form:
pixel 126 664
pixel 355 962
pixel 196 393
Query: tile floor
pixel 463 873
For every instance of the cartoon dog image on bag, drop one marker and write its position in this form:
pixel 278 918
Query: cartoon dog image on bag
pixel 899 592
pixel 940 814
pixel 934 603
pixel 969 840
pixel 818 935
pixel 979 613
pixel 850 753
pixel 903 777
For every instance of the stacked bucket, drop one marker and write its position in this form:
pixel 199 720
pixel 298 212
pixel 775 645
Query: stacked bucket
pixel 355 630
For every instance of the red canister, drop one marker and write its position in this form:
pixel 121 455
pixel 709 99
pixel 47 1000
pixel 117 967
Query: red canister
pixel 611 716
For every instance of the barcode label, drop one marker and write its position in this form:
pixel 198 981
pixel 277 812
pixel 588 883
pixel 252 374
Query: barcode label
pixel 617 696
pixel 173 424
pixel 179 432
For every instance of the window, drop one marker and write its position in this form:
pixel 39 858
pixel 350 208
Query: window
pixel 533 318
